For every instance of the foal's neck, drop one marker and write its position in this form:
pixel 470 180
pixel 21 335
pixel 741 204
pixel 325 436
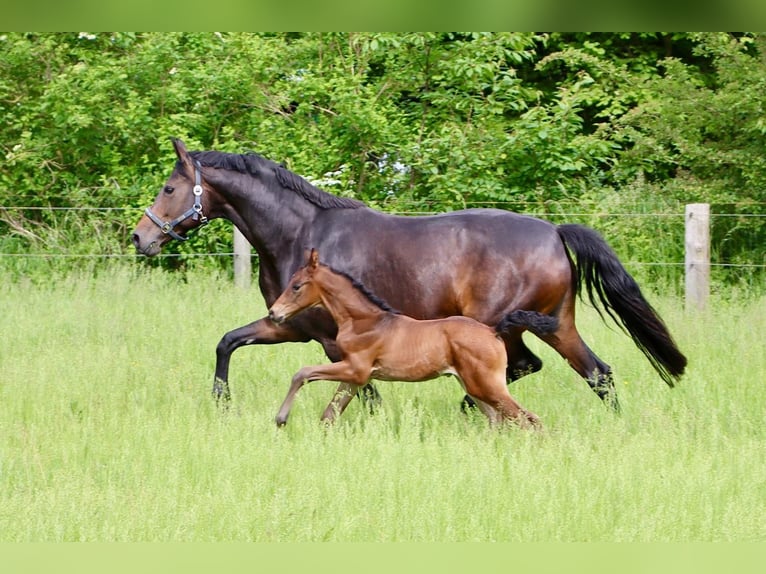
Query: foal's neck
pixel 344 301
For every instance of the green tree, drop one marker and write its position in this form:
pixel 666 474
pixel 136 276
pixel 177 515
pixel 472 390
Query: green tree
pixel 701 138
pixel 404 121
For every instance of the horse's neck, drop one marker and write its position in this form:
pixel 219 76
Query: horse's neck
pixel 345 302
pixel 271 221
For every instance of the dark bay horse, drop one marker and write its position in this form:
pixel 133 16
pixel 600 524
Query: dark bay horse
pixel 499 262
pixel 377 342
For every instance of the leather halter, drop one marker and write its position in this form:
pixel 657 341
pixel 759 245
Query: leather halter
pixel 195 211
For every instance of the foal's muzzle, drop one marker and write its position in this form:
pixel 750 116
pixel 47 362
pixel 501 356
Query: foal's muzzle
pixel 276 319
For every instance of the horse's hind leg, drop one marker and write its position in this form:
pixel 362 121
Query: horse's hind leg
pixel 598 374
pixel 521 361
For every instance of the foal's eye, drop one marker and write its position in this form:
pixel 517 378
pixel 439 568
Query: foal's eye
pixel 168 189
pixel 297 286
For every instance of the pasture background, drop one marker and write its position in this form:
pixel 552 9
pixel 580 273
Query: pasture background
pixel 109 432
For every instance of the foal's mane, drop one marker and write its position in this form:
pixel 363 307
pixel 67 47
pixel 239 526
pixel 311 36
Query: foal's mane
pixel 359 286
pixel 253 164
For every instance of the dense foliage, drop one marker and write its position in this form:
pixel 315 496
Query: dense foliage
pixel 546 123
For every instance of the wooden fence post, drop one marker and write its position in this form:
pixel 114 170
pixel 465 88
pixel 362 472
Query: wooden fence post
pixel 243 268
pixel 697 259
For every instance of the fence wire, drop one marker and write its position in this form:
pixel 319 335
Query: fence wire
pixel 537 210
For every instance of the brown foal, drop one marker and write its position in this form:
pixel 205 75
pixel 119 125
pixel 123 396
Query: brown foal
pixel 378 343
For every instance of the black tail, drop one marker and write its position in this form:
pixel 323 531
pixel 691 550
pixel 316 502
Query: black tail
pixel 598 267
pixel 537 323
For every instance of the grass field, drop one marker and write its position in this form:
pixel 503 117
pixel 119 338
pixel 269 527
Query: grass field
pixel 108 432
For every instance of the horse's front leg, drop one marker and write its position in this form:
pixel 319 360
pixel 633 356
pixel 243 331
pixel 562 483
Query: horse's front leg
pixel 342 371
pixel 260 332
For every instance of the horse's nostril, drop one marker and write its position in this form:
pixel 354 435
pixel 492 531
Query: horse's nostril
pixel 136 240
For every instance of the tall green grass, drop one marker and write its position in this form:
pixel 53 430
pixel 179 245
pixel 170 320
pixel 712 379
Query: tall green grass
pixel 108 432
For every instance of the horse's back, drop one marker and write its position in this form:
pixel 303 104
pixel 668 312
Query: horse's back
pixel 478 262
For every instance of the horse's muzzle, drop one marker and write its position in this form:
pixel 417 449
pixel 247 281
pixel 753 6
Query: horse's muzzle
pixel 150 250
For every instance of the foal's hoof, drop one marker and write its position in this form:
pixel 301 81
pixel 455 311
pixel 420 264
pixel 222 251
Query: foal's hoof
pixel 281 421
pixel 533 421
pixel 327 422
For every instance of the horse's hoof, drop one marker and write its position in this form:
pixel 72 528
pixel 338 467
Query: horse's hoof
pixel 221 393
pixel 467 405
pixel 371 398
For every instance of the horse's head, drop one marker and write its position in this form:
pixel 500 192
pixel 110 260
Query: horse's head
pixel 178 208
pixel 301 292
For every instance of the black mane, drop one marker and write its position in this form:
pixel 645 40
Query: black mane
pixel 253 164
pixel 365 291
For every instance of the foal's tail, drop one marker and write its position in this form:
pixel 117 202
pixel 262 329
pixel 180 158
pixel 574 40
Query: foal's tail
pixel 537 323
pixel 598 267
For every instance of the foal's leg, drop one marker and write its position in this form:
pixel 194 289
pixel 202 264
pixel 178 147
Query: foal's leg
pixel 509 410
pixel 521 362
pixel 368 393
pixel 342 371
pixel 486 384
pixel 512 411
pixel 492 415
pixel 343 396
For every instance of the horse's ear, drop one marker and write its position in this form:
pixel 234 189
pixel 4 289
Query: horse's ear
pixel 313 259
pixel 182 153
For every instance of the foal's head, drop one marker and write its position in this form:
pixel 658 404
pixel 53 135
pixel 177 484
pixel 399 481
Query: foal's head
pixel 301 292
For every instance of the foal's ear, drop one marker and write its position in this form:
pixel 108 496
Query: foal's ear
pixel 182 153
pixel 313 259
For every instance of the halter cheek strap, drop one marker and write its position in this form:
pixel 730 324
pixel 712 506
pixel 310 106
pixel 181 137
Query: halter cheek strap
pixel 195 211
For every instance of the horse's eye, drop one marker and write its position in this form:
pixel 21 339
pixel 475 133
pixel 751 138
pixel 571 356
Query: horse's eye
pixel 297 287
pixel 169 189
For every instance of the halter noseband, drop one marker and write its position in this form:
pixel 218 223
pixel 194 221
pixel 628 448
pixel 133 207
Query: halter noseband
pixel 195 211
